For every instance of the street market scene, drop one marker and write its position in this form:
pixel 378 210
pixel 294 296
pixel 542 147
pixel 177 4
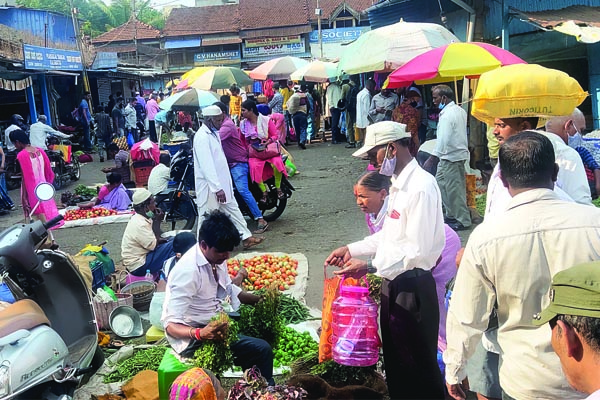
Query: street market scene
pixel 309 199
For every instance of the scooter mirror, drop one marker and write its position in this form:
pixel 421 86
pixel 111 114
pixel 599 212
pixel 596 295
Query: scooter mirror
pixel 44 191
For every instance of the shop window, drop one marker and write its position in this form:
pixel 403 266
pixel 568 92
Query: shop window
pixel 176 59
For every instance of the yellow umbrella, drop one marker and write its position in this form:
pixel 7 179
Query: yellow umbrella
pixel 525 90
pixel 194 73
pixel 172 82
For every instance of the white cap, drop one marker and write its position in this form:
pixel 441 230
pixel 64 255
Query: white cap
pixel 211 111
pixel 140 196
pixel 380 133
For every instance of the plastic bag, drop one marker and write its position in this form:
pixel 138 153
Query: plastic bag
pixel 130 140
pixel 330 292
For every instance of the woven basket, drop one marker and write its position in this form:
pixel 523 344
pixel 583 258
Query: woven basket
pixel 142 292
pixel 103 310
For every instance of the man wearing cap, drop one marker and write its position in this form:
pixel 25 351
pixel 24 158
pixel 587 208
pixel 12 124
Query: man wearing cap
pixel 574 317
pixel 404 252
pixel 214 188
pixel 508 264
pixel 142 247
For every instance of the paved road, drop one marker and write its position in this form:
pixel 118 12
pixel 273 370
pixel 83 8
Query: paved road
pixel 320 216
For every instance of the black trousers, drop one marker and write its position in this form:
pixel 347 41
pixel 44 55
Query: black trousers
pixel 335 125
pixel 152 131
pixel 409 330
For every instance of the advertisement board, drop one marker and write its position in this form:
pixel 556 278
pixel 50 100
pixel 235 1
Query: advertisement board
pixel 217 57
pixel 269 41
pixel 274 50
pixel 338 34
pixel 46 58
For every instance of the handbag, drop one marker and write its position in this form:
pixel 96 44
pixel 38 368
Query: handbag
pixel 264 152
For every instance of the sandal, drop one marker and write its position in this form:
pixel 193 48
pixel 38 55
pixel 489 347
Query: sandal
pixel 252 241
pixel 280 194
pixel 265 198
pixel 261 228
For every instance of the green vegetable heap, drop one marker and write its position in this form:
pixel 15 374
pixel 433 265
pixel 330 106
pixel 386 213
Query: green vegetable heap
pixel 217 355
pixel 263 320
pixel 82 190
pixel 596 202
pixel 141 360
pixel 480 204
pixel 293 345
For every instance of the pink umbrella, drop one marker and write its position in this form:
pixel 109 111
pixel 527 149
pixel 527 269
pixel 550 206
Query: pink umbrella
pixel 452 62
pixel 182 85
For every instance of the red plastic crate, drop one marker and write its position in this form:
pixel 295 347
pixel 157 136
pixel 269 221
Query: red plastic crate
pixel 141 176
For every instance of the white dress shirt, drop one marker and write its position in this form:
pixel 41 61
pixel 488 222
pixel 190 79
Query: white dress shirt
pixel 193 296
pixel 10 146
pixel 130 116
pixel 363 103
pixel 211 170
pixel 413 230
pixel 388 103
pixel 452 142
pixel 333 94
pixel 38 133
pixel 510 260
pixel 594 396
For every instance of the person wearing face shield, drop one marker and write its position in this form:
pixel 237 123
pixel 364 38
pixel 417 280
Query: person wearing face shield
pixel 403 253
pixel 213 184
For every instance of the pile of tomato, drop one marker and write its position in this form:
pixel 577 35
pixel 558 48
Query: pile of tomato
pixel 72 215
pixel 266 270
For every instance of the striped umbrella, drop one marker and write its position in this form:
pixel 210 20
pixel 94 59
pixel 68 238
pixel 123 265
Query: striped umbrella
pixel 277 68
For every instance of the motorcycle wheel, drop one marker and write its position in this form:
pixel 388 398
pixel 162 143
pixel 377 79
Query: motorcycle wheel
pixel 12 183
pixel 276 209
pixel 180 212
pixel 76 170
pixel 58 181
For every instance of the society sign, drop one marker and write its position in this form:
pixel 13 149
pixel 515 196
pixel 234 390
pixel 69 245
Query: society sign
pixel 274 50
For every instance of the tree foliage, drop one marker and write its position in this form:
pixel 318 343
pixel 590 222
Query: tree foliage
pixel 98 17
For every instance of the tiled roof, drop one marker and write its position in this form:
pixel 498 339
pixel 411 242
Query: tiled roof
pixel 329 6
pixel 581 15
pixel 260 14
pixel 127 31
pixel 202 20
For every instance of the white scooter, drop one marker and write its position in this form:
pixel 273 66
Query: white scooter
pixel 48 337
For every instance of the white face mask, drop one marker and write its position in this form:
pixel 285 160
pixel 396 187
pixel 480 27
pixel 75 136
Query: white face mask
pixel 576 140
pixel 388 166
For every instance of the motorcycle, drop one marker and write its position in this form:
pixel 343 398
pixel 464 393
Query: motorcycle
pixel 48 336
pixel 62 169
pixel 180 208
pixel 12 170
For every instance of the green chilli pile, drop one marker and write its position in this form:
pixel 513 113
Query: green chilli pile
pixel 141 360
pixel 217 355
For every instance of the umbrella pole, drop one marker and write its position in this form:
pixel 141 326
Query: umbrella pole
pixel 455 88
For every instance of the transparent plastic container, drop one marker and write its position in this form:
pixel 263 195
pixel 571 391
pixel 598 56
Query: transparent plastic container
pixel 355 330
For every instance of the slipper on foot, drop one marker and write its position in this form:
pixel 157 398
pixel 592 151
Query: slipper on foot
pixel 261 228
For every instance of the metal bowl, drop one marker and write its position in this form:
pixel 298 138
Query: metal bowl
pixel 125 322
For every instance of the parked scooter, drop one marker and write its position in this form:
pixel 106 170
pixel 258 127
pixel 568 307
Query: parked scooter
pixel 48 337
pixel 64 170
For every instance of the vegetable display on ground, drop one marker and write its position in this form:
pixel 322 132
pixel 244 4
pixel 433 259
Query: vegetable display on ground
pixel 266 270
pixel 292 345
pixel 141 360
pixel 263 320
pixel 73 215
pixel 82 190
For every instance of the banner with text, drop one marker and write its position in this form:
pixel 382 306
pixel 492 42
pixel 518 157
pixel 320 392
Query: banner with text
pixel 338 34
pixel 269 41
pixel 273 50
pixel 217 58
pixel 45 58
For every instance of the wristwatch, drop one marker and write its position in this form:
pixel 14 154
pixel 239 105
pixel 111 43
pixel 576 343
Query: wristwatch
pixel 370 268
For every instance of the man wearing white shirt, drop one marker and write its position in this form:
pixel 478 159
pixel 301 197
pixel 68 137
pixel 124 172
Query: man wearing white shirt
pixel 508 264
pixel 363 103
pixel 405 251
pixel 450 153
pixel 38 133
pixel 213 184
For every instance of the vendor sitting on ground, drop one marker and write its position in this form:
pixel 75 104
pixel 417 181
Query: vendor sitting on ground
pixel 112 196
pixel 142 248
pixel 121 167
pixel 196 289
pixel 160 175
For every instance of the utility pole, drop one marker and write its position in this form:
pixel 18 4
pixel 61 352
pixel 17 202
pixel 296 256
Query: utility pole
pixel 86 82
pixel 319 12
pixel 137 55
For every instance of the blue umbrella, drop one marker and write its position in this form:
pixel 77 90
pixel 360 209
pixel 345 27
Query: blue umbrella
pixel 190 98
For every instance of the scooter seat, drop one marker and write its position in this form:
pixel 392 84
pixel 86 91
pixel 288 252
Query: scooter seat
pixel 23 314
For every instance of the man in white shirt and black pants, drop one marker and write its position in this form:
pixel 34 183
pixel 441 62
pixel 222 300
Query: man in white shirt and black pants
pixel 405 251
pixel 450 153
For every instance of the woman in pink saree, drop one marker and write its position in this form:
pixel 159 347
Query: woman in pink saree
pixel 258 128
pixel 36 169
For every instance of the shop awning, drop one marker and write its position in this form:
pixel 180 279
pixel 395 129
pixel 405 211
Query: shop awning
pixel 216 41
pixel 275 32
pixel 583 22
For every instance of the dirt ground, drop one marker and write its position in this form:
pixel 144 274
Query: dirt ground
pixel 320 216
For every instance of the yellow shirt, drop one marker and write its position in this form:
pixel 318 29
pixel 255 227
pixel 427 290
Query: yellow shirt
pixel 287 93
pixel 235 106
